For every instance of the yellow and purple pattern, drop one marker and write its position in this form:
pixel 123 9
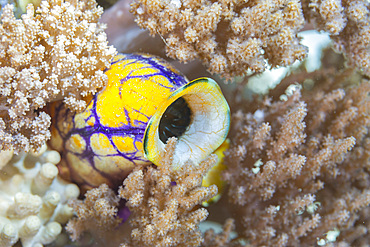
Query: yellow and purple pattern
pixel 119 128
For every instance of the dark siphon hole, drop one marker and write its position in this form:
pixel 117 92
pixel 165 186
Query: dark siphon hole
pixel 175 120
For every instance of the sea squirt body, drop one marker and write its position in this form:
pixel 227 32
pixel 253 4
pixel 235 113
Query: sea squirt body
pixel 127 122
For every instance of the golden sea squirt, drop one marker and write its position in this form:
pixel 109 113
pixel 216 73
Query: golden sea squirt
pixel 127 123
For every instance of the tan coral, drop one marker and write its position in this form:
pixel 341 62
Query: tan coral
pixel 163 202
pixel 56 52
pixel 221 239
pixel 97 213
pixel 301 166
pixel 347 22
pixel 229 37
pixel 237 37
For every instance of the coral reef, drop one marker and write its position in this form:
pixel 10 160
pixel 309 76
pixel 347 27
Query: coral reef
pixel 301 165
pixel 33 200
pixel 54 53
pixel 298 166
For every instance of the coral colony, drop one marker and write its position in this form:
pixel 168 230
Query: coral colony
pixel 293 171
pixel 54 53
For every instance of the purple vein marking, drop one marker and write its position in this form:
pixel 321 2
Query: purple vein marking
pixel 176 79
pixel 134 130
pixel 86 132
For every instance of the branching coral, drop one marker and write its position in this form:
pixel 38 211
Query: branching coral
pixel 348 22
pixel 56 52
pixel 96 213
pixel 228 36
pixel 302 169
pixel 163 203
pixel 33 200
pixel 221 239
pixel 233 37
